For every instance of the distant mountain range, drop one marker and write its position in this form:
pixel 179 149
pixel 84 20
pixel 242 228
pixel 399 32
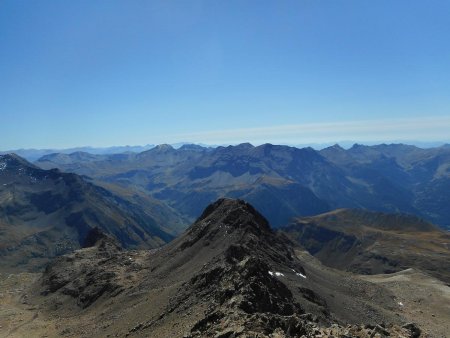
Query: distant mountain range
pixel 34 154
pixel 46 213
pixel 281 181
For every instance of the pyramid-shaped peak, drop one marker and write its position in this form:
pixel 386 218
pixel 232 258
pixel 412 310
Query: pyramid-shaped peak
pixel 228 223
pixel 233 213
pixel 337 146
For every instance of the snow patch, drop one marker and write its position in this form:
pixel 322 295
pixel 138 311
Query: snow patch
pixel 2 165
pixel 299 274
pixel 276 273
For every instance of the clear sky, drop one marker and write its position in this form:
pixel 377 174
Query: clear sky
pixel 101 73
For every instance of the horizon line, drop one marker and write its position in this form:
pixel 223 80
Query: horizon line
pixel 346 144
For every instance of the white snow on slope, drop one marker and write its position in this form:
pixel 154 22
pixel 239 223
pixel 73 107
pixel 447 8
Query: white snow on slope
pixel 299 274
pixel 276 273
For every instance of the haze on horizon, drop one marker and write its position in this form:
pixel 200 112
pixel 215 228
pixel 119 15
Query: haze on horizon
pixel 110 73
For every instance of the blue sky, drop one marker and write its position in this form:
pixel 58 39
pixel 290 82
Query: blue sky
pixel 102 73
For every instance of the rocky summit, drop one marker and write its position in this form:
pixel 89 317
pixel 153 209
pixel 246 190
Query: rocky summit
pixel 228 275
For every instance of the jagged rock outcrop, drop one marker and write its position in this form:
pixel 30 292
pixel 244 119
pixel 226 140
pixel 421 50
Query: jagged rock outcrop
pixel 83 275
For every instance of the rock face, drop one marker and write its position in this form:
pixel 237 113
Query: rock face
pixel 228 275
pixel 373 243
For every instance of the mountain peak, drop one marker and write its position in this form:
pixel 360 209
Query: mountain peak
pixel 192 147
pixel 358 146
pixel 239 147
pixel 228 206
pixel 164 147
pixel 245 145
pixel 336 146
pixel 161 149
pixel 228 221
pixel 13 161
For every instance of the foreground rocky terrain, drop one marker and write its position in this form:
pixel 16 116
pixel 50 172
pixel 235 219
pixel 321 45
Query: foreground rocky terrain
pixel 424 299
pixel 228 275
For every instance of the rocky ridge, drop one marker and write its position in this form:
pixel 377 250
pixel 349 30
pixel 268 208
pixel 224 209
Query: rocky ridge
pixel 228 275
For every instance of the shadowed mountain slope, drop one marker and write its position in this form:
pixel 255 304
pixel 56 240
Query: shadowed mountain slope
pixel 46 213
